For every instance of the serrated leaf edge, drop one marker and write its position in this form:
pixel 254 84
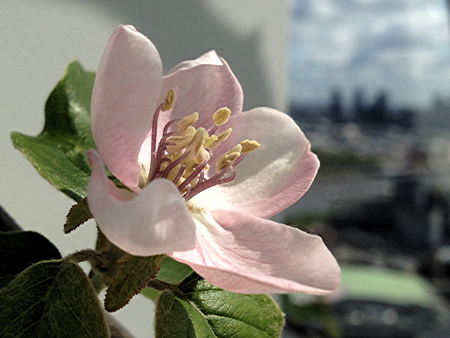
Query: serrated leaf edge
pixel 83 220
pixel 117 271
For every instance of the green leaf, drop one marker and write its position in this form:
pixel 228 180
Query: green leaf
pixel 213 312
pixel 131 275
pixel 19 250
pixel 236 315
pixel 151 293
pixel 57 153
pixel 50 158
pixel 51 299
pixel 172 320
pixel 173 272
pixel 178 318
pixel 67 110
pixel 78 214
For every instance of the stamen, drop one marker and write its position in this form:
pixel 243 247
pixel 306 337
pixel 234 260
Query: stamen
pixel 174 164
pixel 168 125
pixel 216 140
pixel 249 146
pixel 213 130
pixel 239 159
pixel 192 176
pixel 170 100
pixel 181 141
pixel 160 153
pixel 215 180
pixel 227 159
pixel 163 164
pixel 157 159
pixel 155 127
pixel 166 136
pixel 199 153
pixel 183 154
pixel 209 141
pixel 221 116
pixel 153 145
pixel 179 174
pixel 187 121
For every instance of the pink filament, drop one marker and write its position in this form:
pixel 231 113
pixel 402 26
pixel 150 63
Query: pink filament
pixel 196 172
pixel 158 157
pixel 174 164
pixel 215 180
pixel 213 130
pixel 155 128
pixel 179 174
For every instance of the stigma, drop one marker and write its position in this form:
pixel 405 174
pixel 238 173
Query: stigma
pixel 187 155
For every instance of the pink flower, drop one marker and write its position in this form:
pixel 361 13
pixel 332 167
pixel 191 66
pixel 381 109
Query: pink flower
pixel 191 194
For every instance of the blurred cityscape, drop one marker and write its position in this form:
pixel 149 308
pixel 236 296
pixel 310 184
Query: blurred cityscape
pixel 381 200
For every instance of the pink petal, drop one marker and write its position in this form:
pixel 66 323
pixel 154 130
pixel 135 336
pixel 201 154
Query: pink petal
pixel 271 178
pixel 246 254
pixel 126 92
pixel 203 85
pixel 152 222
pixel 209 58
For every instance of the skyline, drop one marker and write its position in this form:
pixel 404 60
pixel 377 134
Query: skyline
pixel 400 47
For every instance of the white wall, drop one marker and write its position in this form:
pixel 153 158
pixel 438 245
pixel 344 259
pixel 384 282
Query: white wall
pixel 39 38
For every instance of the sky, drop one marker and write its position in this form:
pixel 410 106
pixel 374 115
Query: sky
pixel 401 46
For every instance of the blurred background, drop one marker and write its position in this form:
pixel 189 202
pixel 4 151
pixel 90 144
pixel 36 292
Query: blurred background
pixel 368 82
pixel 370 85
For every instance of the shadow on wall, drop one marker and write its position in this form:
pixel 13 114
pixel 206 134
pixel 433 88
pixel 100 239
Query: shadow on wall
pixel 184 30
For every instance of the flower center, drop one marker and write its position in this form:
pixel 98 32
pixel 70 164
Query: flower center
pixel 184 153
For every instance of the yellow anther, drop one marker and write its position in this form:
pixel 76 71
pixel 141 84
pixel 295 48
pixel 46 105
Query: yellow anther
pixel 236 149
pixel 196 147
pixel 189 131
pixel 211 140
pixel 228 158
pixel 216 140
pixel 181 141
pixel 164 165
pixel 221 116
pixel 187 121
pixel 173 173
pixel 249 146
pixel 174 156
pixel 170 100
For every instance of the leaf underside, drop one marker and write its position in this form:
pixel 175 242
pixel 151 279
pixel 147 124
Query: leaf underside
pixel 132 275
pixel 51 299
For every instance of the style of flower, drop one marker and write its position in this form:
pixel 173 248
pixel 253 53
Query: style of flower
pixel 198 176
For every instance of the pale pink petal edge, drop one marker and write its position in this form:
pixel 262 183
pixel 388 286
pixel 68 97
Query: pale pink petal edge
pixel 297 184
pixel 272 178
pixel 250 255
pixel 141 224
pixel 203 85
pixel 125 96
